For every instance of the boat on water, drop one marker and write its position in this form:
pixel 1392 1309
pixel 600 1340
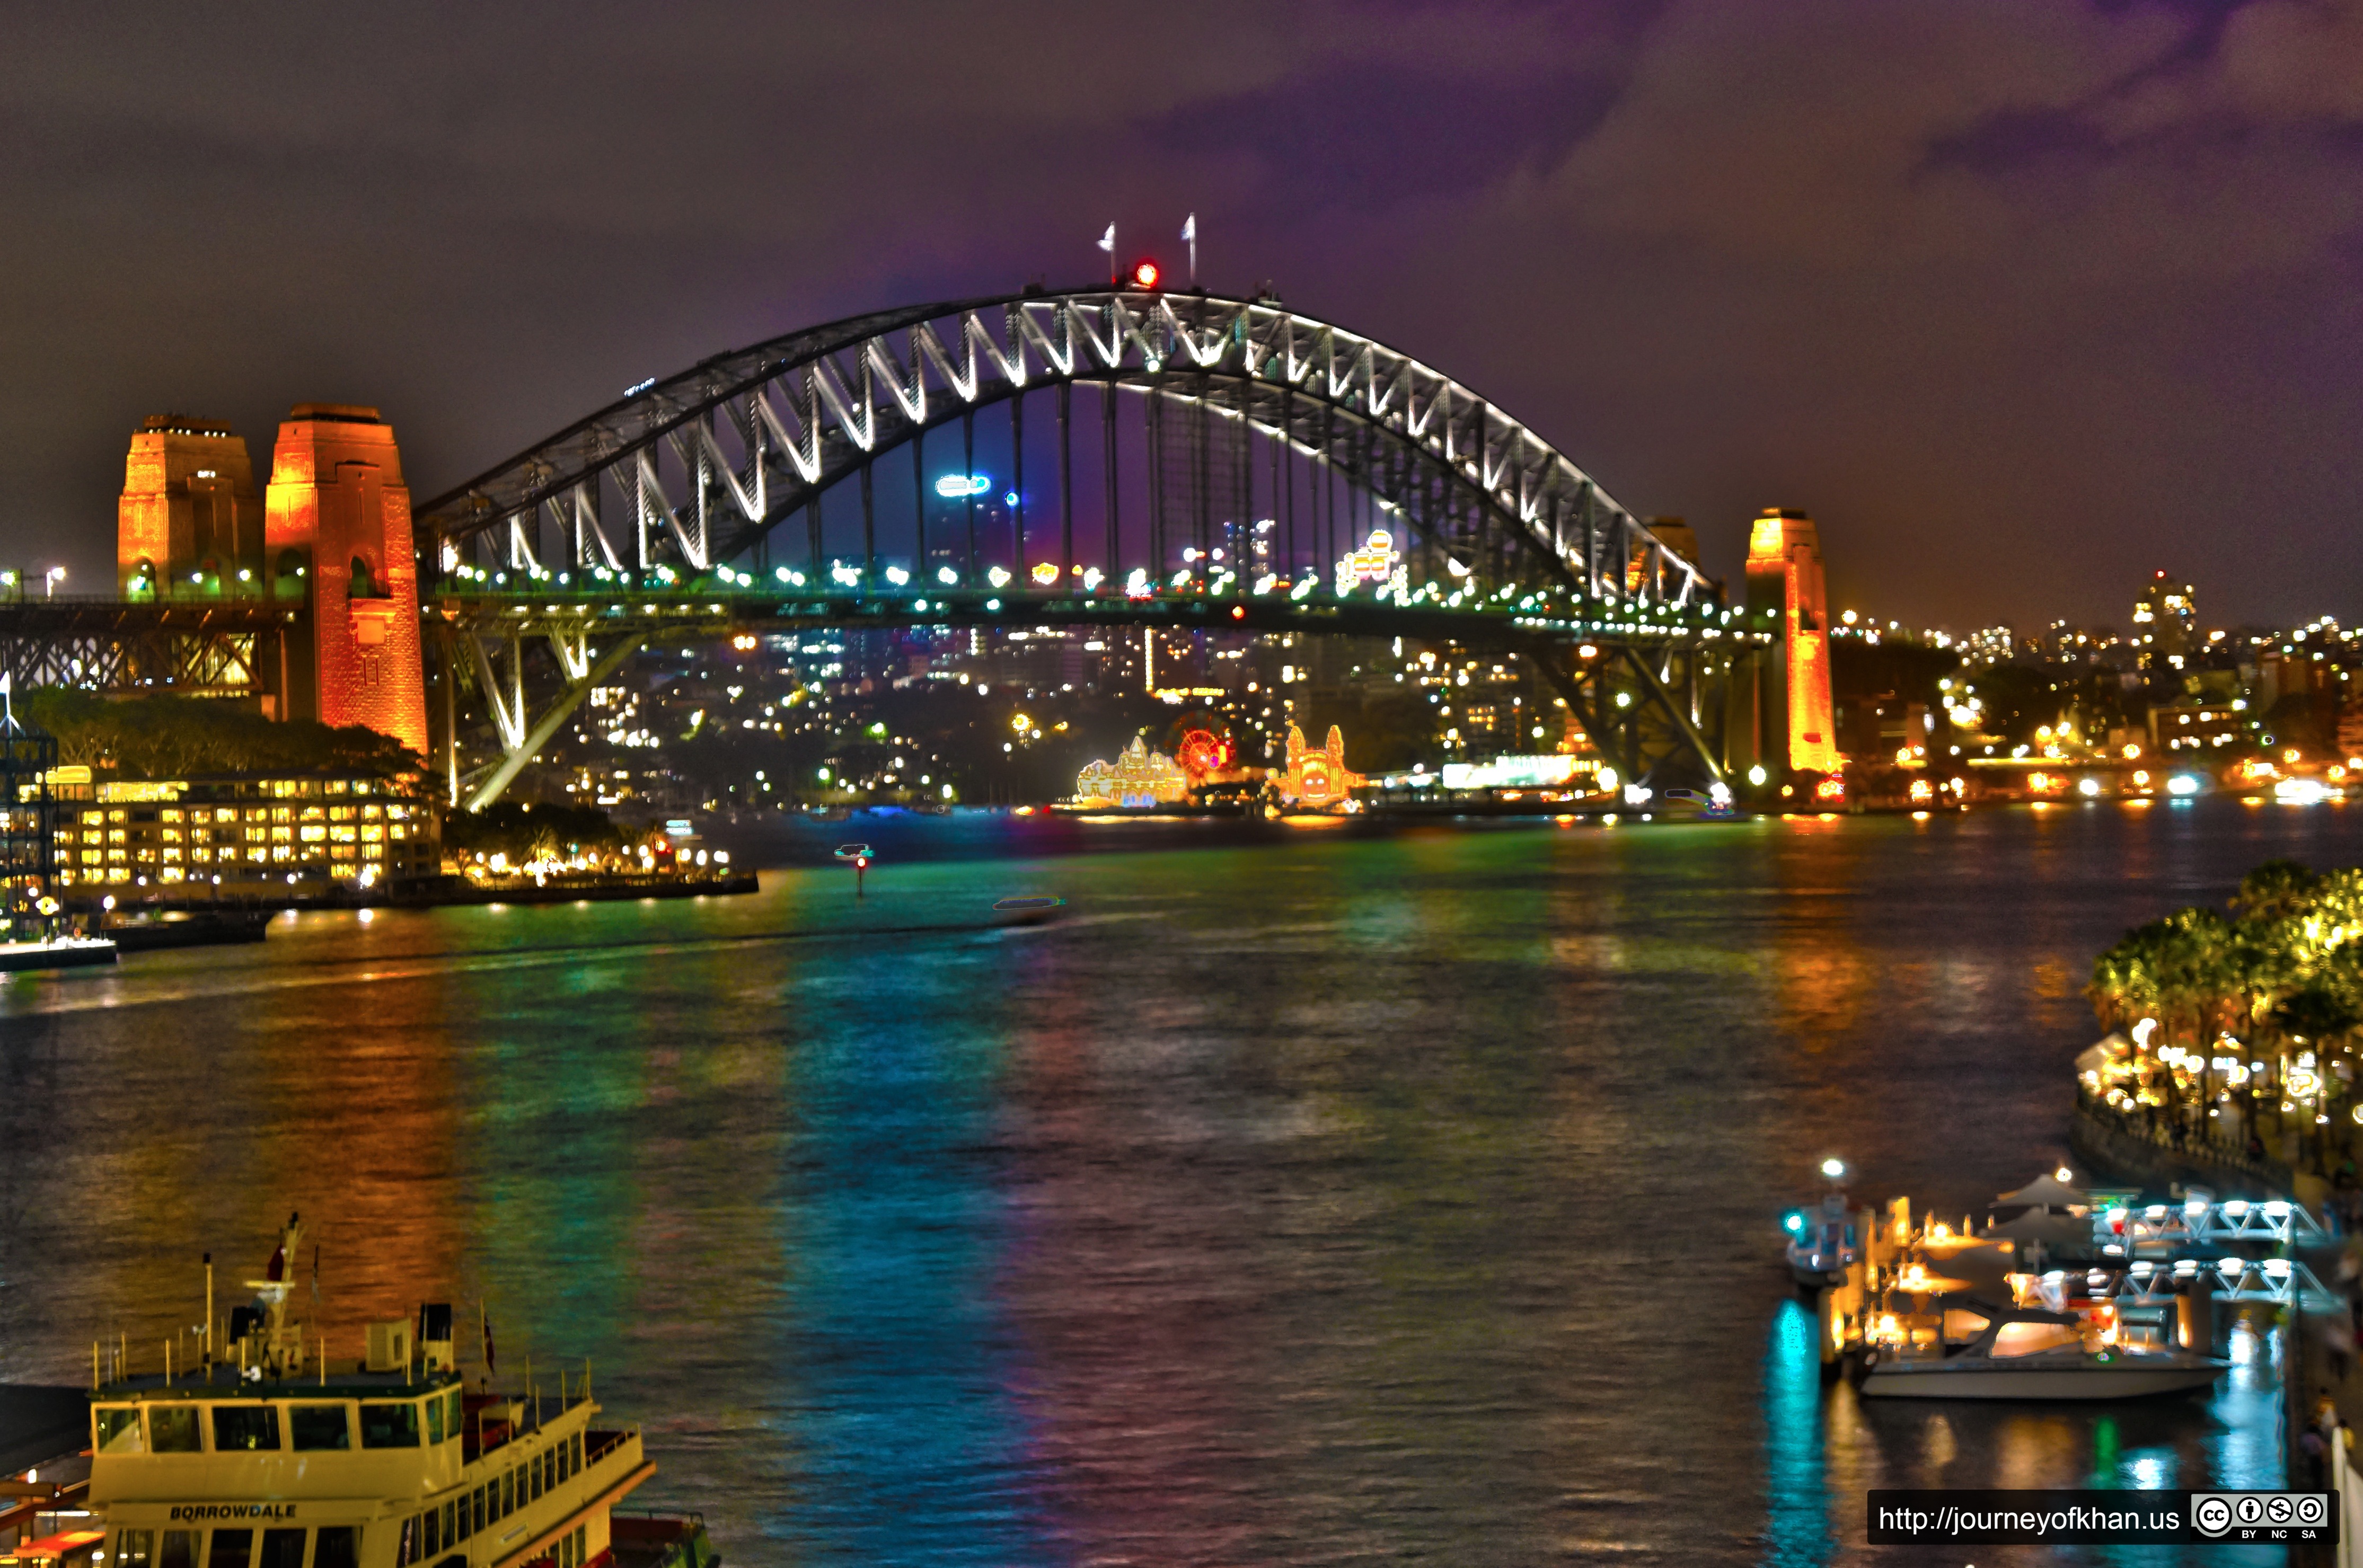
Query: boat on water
pixel 1027 911
pixel 265 1454
pixel 1824 1241
pixel 2091 1351
pixel 1926 1309
pixel 63 953
pixel 191 928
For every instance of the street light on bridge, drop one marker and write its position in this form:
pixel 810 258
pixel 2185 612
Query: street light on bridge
pixel 54 575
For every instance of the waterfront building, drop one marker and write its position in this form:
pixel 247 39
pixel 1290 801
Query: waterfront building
pixel 242 829
pixel 1885 727
pixel 2196 724
pixel 2166 618
pixel 337 528
pixel 1788 725
pixel 28 824
pixel 188 524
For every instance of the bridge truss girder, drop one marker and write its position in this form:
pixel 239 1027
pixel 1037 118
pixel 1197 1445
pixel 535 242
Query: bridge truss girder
pixel 704 466
pixel 229 649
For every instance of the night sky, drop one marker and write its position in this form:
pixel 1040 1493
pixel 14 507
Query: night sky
pixel 2020 300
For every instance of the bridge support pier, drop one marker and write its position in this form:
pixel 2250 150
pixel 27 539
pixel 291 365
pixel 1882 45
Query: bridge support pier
pixel 522 734
pixel 1649 709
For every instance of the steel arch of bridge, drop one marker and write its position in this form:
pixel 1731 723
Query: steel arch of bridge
pixel 695 470
pixel 617 531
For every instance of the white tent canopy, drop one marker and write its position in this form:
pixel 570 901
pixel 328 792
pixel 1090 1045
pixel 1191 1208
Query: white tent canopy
pixel 2034 1225
pixel 2110 1047
pixel 2045 1191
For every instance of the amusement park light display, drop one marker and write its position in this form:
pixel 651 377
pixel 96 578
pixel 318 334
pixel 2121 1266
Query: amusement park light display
pixel 1204 753
pixel 1138 777
pixel 1377 561
pixel 1318 779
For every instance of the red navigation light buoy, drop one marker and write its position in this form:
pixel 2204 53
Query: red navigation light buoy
pixel 1145 273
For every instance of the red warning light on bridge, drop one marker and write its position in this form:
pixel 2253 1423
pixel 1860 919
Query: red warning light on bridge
pixel 1145 273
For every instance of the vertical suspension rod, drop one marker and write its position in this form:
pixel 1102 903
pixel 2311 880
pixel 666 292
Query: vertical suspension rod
pixel 1108 433
pixel 968 483
pixel 1066 489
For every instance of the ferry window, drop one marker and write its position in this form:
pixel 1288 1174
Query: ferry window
pixel 389 1426
pixel 434 1422
pixel 508 1493
pixel 476 1511
pixel 172 1429
pixel 178 1549
pixel 336 1548
pixel 119 1428
pixel 231 1548
pixel 451 1523
pixel 536 1471
pixel 431 1537
pixel 318 1428
pixel 245 1427
pixel 282 1549
pixel 578 1452
pixel 133 1548
pixel 454 1421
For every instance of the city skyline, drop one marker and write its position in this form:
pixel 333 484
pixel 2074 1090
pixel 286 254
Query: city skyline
pixel 1629 235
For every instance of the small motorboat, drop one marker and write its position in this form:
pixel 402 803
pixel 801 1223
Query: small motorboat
pixel 1027 911
pixel 1823 1243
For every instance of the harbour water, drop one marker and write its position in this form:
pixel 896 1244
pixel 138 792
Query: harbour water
pixel 1411 1197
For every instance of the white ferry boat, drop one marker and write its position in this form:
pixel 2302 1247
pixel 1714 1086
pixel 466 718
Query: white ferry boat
pixel 263 1456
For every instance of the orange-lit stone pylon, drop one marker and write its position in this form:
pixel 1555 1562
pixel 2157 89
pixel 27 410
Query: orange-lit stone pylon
pixel 336 521
pixel 1794 728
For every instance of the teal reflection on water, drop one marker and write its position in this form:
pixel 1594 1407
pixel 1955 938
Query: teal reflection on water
pixel 1797 1505
pixel 898 1361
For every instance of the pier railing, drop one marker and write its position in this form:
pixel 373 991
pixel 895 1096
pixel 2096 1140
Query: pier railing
pixel 2158 1147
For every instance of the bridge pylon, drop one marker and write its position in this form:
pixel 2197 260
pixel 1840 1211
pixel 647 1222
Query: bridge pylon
pixel 338 534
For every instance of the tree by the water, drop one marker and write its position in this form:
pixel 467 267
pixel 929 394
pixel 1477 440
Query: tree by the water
pixel 166 736
pixel 2251 1014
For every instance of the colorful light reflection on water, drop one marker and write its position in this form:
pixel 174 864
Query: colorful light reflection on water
pixel 1402 1197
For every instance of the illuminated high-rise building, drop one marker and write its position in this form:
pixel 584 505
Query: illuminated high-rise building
pixel 189 524
pixel 2166 622
pixel 1792 727
pixel 337 527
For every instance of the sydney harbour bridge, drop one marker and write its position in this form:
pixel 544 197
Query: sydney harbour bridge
pixel 1108 456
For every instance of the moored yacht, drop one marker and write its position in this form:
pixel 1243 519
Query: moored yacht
pixel 2018 1352
pixel 262 1456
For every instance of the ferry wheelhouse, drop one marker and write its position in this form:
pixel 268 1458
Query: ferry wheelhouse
pixel 264 1457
